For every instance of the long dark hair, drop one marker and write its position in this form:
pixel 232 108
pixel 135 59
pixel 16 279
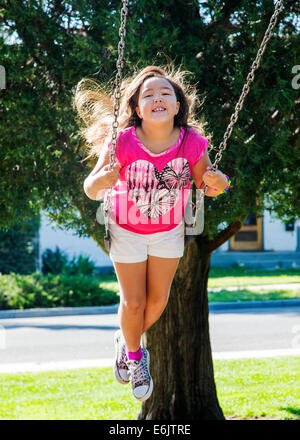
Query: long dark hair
pixel 95 105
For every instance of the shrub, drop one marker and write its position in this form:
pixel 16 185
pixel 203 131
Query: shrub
pixel 54 261
pixel 80 265
pixel 57 261
pixel 10 293
pixel 53 290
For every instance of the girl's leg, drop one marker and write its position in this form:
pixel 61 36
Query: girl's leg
pixel 160 274
pixel 132 282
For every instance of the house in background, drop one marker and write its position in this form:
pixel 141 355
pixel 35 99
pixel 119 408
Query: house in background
pixel 52 236
pixel 262 241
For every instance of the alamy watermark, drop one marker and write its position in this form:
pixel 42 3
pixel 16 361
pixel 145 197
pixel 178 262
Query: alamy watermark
pixel 156 207
pixel 2 77
pixel 296 79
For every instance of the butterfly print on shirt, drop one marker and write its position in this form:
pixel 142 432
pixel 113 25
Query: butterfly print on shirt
pixel 153 192
pixel 170 179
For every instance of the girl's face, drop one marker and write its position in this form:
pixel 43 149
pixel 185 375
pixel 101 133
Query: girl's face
pixel 157 101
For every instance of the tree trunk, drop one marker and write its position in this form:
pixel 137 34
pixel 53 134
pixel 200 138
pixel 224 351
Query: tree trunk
pixel 179 345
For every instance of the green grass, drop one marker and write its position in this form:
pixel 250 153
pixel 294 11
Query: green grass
pixel 248 388
pixel 259 388
pixel 108 282
pixel 66 395
pixel 238 276
pixel 245 278
pixel 248 295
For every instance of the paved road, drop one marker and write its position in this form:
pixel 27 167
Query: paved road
pixel 66 338
pixel 256 329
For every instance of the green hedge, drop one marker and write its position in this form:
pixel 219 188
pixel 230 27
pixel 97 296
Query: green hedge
pixel 53 290
pixel 58 261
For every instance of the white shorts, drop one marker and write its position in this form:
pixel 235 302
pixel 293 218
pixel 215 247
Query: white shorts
pixel 130 247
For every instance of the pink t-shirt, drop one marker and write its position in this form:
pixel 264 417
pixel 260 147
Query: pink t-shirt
pixel 153 188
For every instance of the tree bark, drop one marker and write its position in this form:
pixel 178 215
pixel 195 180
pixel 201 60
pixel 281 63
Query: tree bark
pixel 179 345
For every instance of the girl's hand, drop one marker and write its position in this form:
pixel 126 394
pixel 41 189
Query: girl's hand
pixel 109 176
pixel 215 179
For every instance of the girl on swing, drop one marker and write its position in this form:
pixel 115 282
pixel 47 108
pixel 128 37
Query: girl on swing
pixel 159 147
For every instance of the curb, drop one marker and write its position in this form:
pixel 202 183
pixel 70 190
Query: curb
pixel 278 303
pixel 113 309
pixel 59 311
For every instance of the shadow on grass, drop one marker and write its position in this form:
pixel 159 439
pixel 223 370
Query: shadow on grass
pixel 236 270
pixel 294 411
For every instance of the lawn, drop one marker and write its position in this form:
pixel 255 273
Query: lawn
pixel 61 290
pixel 249 295
pixel 247 388
pixel 241 277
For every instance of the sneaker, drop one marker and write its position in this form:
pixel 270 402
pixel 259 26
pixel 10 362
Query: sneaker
pixel 120 367
pixel 142 384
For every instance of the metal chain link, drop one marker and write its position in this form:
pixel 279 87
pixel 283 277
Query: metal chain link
pixel 234 116
pixel 246 88
pixel 119 65
pixel 117 94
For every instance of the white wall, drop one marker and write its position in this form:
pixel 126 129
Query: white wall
pixel 51 236
pixel 276 238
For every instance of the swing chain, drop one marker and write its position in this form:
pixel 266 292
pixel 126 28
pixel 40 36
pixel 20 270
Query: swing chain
pixel 117 96
pixel 234 116
pixel 246 88
pixel 119 65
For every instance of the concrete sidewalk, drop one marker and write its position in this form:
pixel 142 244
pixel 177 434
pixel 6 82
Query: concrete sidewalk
pixel 113 309
pixel 37 367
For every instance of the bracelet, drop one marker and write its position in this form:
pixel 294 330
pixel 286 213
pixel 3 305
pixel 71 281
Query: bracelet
pixel 225 189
